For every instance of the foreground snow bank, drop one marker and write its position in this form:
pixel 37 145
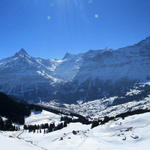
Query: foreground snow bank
pixel 129 134
pixel 132 133
pixel 10 143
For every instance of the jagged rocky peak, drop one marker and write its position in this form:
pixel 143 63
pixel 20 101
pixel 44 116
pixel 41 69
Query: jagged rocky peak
pixel 67 55
pixel 22 53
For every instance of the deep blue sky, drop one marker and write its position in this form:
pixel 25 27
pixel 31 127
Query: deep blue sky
pixel 50 28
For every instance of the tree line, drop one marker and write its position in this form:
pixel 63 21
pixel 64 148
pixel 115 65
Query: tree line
pixel 46 127
pixel 65 120
pixel 6 125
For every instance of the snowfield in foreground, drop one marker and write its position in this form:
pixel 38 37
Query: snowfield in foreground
pixel 9 143
pixel 132 133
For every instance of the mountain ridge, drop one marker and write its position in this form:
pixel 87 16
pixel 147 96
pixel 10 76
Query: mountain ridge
pixel 85 76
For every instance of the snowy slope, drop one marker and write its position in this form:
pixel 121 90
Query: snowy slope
pixel 42 117
pixel 132 133
pixel 8 143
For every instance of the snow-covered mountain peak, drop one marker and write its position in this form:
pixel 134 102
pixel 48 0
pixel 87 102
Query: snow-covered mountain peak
pixel 22 53
pixel 68 56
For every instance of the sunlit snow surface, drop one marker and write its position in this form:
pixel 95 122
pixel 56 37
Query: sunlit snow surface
pixel 129 134
pixel 43 117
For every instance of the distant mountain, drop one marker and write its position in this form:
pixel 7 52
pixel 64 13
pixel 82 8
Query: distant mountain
pixel 86 76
